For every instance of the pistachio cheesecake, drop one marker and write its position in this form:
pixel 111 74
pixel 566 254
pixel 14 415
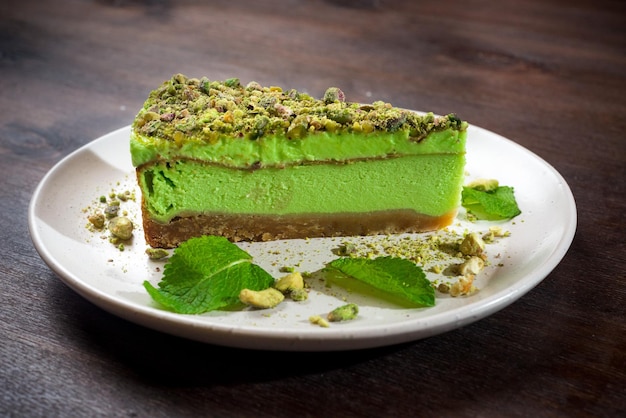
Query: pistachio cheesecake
pixel 262 163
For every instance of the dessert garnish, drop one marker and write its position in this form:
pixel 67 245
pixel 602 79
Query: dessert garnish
pixel 205 274
pixel 210 273
pixel 487 200
pixel 396 276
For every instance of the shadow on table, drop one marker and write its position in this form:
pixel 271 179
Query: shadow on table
pixel 170 360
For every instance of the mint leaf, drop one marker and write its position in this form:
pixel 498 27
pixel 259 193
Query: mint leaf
pixel 205 274
pixel 396 276
pixel 495 204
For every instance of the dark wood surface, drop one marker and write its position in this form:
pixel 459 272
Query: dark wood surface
pixel 548 74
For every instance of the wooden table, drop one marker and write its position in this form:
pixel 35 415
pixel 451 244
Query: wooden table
pixel 550 75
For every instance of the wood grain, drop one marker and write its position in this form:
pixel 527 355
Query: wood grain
pixel 546 74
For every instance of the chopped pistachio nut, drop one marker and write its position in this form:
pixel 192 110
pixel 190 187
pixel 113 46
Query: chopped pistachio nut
pixel 436 269
pixel 157 253
pixel 488 237
pixel 344 313
pixel 472 244
pixel 471 266
pixel 112 209
pixel 333 94
pixel 299 295
pixel 124 196
pixel 262 299
pixel 463 286
pixel 289 283
pixel 318 320
pixel 97 220
pixel 121 227
pixel 495 232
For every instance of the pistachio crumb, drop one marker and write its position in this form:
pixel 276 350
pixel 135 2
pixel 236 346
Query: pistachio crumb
pixel 472 244
pixel 318 320
pixel 464 286
pixel 121 227
pixel 344 313
pixel 111 210
pixel 156 253
pixel 289 283
pixel 299 295
pixel 97 220
pixel 471 266
pixel 262 299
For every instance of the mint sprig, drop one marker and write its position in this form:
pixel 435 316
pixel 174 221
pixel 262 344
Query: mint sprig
pixel 206 274
pixel 397 277
pixel 495 203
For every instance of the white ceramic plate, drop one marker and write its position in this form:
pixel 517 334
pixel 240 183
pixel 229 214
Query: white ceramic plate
pixel 112 279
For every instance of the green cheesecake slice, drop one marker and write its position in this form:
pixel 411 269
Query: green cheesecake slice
pixel 262 163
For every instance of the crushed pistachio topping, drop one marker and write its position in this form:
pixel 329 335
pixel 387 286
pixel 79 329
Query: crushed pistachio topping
pixel 106 214
pixel 456 258
pixel 185 107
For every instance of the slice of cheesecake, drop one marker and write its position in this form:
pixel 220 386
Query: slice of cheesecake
pixel 260 163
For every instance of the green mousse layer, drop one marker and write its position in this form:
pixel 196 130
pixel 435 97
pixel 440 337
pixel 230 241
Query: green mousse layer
pixel 276 151
pixel 427 184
